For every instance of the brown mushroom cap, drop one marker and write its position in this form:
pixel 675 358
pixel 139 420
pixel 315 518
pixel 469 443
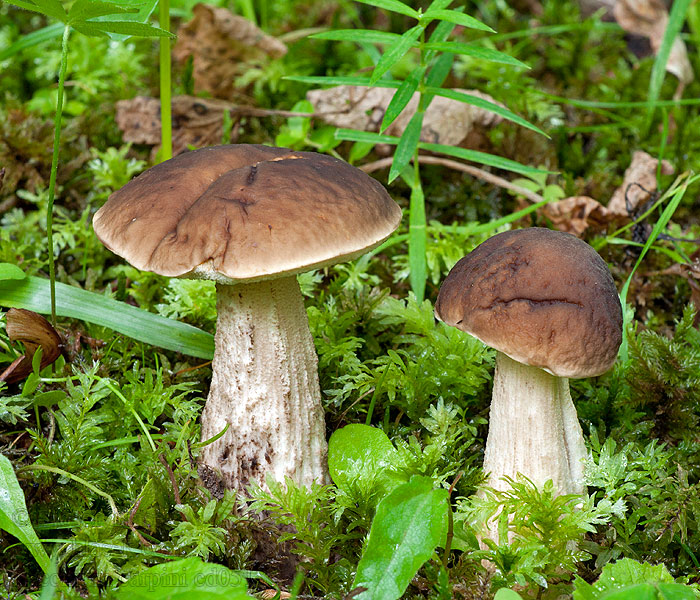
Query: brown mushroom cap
pixel 246 213
pixel 542 297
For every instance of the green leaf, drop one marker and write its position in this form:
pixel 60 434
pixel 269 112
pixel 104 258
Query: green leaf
pixel 144 9
pixel 439 4
pixel 50 583
pixel 50 8
pixel 354 135
pixel 458 18
pixel 481 157
pixel 506 594
pixel 676 18
pixel 676 591
pixel 31 39
pixel 417 242
pixel 10 271
pixel 362 455
pixel 395 53
pixel 186 579
pixel 33 293
pixel 82 10
pixel 406 148
pixel 14 517
pixel 402 97
pixel 486 105
pixel 477 52
pixel 409 525
pixel 642 591
pixel 393 6
pixel 129 28
pixel 358 35
pixel 342 80
pixel 439 71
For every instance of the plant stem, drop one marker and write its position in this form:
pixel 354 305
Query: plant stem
pixel 77 479
pixel 54 169
pixel 166 131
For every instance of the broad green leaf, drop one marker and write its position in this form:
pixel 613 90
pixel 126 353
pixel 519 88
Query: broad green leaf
pixel 642 591
pixel 477 52
pixel 402 97
pixel 628 571
pixel 358 35
pixel 417 242
pixel 14 517
pixel 82 10
pixel 10 271
pixel 33 38
pixel 362 455
pixel 185 579
pixel 50 583
pixel 354 135
pixel 406 148
pixel 33 293
pixel 395 52
pixel 409 525
pixel 506 594
pixel 486 105
pixel 675 591
pixel 458 18
pixel 393 6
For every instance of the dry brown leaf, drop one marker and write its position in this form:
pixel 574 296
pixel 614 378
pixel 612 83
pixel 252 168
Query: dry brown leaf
pixel 578 213
pixel 446 121
pixel 196 121
pixel 33 331
pixel 222 46
pixel 641 172
pixel 650 18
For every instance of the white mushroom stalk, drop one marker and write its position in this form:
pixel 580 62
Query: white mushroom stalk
pixel 533 429
pixel 264 388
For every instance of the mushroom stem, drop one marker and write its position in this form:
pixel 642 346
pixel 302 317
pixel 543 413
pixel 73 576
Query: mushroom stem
pixel 265 388
pixel 533 429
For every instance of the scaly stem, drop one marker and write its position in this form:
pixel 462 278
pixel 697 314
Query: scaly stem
pixel 54 169
pixel 166 131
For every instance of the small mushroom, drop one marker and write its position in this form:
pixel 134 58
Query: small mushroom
pixel 250 218
pixel 547 302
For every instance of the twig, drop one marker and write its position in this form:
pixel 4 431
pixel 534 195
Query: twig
pixel 176 491
pixel 130 523
pixel 458 166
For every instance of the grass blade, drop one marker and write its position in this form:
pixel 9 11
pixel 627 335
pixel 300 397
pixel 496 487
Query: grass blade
pixel 402 97
pixel 34 38
pixel 393 6
pixel 675 23
pixel 486 105
pixel 477 52
pixel 417 242
pixel 407 145
pixel 358 35
pixel 33 293
pixel 481 157
pixel 458 18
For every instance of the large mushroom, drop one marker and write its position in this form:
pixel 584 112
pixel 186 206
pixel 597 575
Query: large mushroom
pixel 547 302
pixel 250 218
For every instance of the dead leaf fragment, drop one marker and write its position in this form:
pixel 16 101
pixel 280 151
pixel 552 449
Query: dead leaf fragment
pixel 446 121
pixel 578 213
pixel 222 46
pixel 638 184
pixel 34 331
pixel 649 18
pixel 196 121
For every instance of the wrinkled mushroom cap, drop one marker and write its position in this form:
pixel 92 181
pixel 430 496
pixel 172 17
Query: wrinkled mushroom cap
pixel 542 297
pixel 245 213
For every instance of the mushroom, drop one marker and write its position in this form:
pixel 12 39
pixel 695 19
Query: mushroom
pixel 547 302
pixel 250 218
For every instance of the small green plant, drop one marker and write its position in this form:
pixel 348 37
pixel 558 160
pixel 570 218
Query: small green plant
pixel 87 17
pixel 435 58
